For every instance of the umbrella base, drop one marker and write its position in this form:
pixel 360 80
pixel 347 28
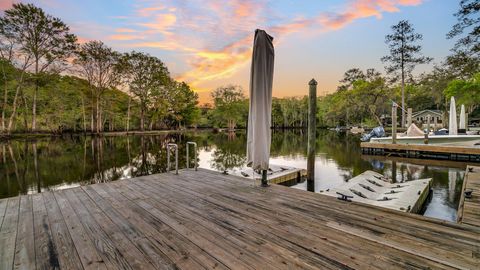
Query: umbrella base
pixel 264 179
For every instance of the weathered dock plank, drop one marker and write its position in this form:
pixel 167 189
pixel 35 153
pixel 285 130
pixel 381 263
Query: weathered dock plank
pixel 8 233
pixel 24 247
pixel 46 254
pixel 66 248
pixel 469 208
pixel 85 247
pixel 206 220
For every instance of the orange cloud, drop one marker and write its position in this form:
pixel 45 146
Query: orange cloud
pixel 217 64
pixel 162 22
pixel 149 11
pixel 125 30
pixel 125 37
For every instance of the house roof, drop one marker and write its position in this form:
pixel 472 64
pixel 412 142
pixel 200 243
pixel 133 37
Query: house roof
pixel 433 112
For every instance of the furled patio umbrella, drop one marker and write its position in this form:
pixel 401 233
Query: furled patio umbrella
pixel 452 123
pixel 462 117
pixel 260 111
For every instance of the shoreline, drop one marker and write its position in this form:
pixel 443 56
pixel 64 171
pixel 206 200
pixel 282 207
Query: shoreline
pixel 32 135
pixel 44 134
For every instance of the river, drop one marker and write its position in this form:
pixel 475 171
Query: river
pixel 35 165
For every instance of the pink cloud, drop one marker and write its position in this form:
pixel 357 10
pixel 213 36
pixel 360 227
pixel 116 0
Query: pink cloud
pixel 125 37
pixel 5 5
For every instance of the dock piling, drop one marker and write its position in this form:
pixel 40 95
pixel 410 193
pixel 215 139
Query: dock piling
pixel 428 122
pixel 394 123
pixel 409 116
pixel 312 128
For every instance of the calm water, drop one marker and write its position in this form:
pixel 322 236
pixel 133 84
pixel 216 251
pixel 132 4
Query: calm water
pixel 30 166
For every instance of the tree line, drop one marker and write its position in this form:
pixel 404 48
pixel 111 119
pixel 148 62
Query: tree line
pixel 53 83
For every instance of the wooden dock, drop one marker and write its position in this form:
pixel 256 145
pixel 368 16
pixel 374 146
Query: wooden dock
pixel 206 220
pixel 469 208
pixel 277 174
pixel 430 151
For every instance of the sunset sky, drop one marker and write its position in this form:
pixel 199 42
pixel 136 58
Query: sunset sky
pixel 207 43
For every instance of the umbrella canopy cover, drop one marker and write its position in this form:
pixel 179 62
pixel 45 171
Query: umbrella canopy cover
pixel 452 123
pixel 260 111
pixel 463 117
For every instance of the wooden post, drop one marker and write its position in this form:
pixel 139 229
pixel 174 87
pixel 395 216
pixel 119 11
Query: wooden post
pixel 312 129
pixel 466 121
pixel 394 171
pixel 394 123
pixel 428 123
pixel 435 123
pixel 409 117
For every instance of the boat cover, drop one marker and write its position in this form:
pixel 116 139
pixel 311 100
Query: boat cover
pixel 413 130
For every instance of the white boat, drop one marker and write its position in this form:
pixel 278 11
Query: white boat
pixel 432 139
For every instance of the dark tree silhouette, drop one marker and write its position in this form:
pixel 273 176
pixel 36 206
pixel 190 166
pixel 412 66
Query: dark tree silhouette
pixel 468 25
pixel 466 52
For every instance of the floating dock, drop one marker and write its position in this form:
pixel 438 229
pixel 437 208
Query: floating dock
pixel 205 220
pixel 469 206
pixel 429 151
pixel 375 189
pixel 276 174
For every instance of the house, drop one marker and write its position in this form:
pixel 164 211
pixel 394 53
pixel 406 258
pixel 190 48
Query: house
pixel 421 117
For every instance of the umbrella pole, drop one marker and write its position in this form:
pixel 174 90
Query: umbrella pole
pixel 264 178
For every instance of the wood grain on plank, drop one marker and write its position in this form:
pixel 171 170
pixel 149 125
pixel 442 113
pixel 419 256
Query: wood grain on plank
pixel 66 249
pixel 104 246
pixel 84 246
pixel 25 245
pixel 469 208
pixel 46 254
pixel 182 252
pixel 8 233
pixel 134 234
pixel 135 258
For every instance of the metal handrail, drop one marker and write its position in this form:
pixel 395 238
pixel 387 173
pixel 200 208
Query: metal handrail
pixel 195 155
pixel 169 147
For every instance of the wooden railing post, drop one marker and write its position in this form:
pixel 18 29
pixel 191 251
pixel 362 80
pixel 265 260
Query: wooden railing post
pixel 312 129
